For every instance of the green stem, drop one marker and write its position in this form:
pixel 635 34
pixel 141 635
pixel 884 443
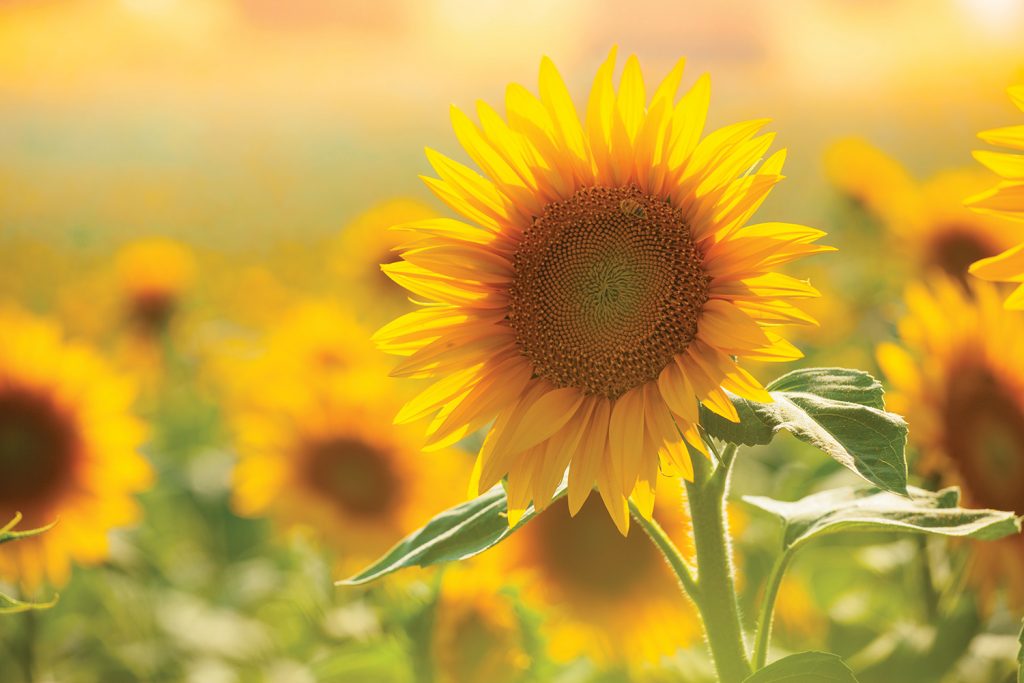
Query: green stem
pixel 670 551
pixel 718 605
pixel 28 652
pixel 764 621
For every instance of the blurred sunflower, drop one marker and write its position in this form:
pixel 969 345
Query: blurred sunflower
pixel 604 288
pixel 1005 199
pixel 369 241
pixel 68 450
pixel 959 381
pixel 926 219
pixel 867 175
pixel 478 632
pixel 152 275
pixel 317 447
pixel 327 457
pixel 609 596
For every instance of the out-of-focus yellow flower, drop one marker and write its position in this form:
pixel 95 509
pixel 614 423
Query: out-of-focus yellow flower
pixel 1005 199
pixel 478 633
pixel 68 450
pixel 867 175
pixel 927 219
pixel 607 596
pixel 607 285
pixel 797 617
pixel 317 447
pixel 327 457
pixel 958 379
pixel 152 275
pixel 368 242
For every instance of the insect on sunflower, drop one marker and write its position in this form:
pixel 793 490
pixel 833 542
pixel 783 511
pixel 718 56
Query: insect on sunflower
pixel 606 282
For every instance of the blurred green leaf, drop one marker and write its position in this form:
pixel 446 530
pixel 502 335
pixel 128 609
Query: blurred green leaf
pixel 865 509
pixel 806 667
pixel 836 410
pixel 9 605
pixel 7 532
pixel 455 534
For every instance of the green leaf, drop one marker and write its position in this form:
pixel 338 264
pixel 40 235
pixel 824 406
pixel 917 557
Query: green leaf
pixel 9 605
pixel 838 411
pixel 457 533
pixel 867 509
pixel 7 532
pixel 806 667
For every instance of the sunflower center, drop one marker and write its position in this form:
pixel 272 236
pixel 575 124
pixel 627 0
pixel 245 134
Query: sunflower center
pixel 985 434
pixel 151 311
pixel 608 286
pixel 37 449
pixel 955 248
pixel 588 553
pixel 355 476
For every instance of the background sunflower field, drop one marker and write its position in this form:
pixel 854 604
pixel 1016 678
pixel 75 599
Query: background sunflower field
pixel 194 196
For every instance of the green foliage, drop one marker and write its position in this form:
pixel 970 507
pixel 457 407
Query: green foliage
pixel 455 534
pixel 836 410
pixel 865 509
pixel 806 667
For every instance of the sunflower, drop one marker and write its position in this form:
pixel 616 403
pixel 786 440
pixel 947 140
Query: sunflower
pixel 68 450
pixel 153 274
pixel 866 175
pixel 928 219
pixel 1006 199
pixel 604 287
pixel 316 443
pixel 479 632
pixel 958 379
pixel 367 242
pixel 608 596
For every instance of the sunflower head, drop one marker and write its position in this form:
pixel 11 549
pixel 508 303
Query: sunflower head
pixel 68 450
pixel 1005 199
pixel 153 274
pixel 606 282
pixel 366 242
pixel 868 176
pixel 957 377
pixel 478 631
pixel 317 447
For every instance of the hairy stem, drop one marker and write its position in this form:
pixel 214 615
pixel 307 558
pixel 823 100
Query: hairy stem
pixel 715 574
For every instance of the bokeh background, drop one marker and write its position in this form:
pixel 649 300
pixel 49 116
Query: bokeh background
pixel 197 190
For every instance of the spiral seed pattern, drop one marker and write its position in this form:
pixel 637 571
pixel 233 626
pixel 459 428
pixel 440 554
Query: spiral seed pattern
pixel 608 286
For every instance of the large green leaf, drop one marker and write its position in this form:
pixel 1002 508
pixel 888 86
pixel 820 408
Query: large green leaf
pixel 806 667
pixel 455 534
pixel 7 532
pixel 836 410
pixel 866 509
pixel 9 605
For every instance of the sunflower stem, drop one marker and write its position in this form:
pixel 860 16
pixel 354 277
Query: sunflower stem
pixel 715 573
pixel 28 653
pixel 764 620
pixel 670 551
